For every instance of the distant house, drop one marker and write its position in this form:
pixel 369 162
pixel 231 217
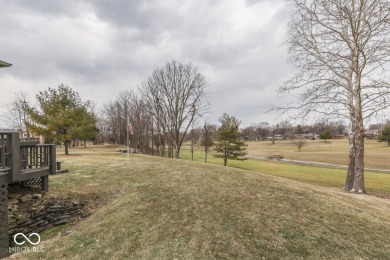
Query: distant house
pixel 279 137
pixel 304 136
pixel 276 137
pixel 372 134
pixel 252 137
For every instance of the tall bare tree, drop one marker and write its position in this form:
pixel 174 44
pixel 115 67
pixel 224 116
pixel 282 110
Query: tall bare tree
pixel 176 95
pixel 341 50
pixel 111 120
pixel 128 105
pixel 17 116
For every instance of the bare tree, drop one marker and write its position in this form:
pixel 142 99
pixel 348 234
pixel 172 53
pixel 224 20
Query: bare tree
pixel 112 120
pixel 175 95
pixel 263 130
pixel 142 122
pixel 16 116
pixel 341 49
pixel 129 106
pixel 299 143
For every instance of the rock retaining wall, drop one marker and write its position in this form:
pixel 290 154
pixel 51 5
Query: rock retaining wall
pixel 31 211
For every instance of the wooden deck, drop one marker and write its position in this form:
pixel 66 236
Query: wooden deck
pixel 21 162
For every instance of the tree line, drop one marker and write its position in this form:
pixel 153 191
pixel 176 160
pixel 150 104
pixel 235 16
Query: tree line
pixel 159 116
pixel 285 130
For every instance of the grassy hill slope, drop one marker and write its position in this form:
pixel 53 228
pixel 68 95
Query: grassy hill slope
pixel 154 208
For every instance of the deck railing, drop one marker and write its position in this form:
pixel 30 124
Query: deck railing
pixel 24 160
pixel 3 168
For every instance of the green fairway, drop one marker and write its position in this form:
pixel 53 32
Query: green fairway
pixel 375 182
pixel 377 155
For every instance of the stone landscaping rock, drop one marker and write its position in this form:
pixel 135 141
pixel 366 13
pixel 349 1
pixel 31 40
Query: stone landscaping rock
pixel 37 196
pixel 12 201
pixel 14 195
pixel 84 214
pixel 26 198
pixel 21 221
pixel 62 221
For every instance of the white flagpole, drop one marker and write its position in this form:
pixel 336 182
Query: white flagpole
pixel 127 139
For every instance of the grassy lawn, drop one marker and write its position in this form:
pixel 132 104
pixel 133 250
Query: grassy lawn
pixel 377 155
pixel 375 182
pixel 156 208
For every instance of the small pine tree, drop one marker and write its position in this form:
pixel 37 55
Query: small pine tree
pixel 229 146
pixel 207 140
pixel 325 135
pixel 385 135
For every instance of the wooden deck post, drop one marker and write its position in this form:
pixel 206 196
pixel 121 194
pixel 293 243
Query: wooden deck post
pixel 4 244
pixel 13 149
pixel 45 183
pixel 4 180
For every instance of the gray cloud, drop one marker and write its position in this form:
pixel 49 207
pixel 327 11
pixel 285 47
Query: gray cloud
pixel 100 48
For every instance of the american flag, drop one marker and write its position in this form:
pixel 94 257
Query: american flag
pixel 130 128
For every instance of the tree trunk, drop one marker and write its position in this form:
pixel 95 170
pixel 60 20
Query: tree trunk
pixel 152 139
pixel 225 156
pixel 177 152
pixel 358 184
pixel 351 166
pixel 66 144
pixel 163 150
pixel 192 146
pixel 357 120
pixel 351 155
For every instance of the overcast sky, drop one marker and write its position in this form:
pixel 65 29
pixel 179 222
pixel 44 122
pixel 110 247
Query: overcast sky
pixel 100 48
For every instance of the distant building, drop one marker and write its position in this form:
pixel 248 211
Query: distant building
pixel 279 137
pixel 252 137
pixel 372 134
pixel 304 136
pixel 276 137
